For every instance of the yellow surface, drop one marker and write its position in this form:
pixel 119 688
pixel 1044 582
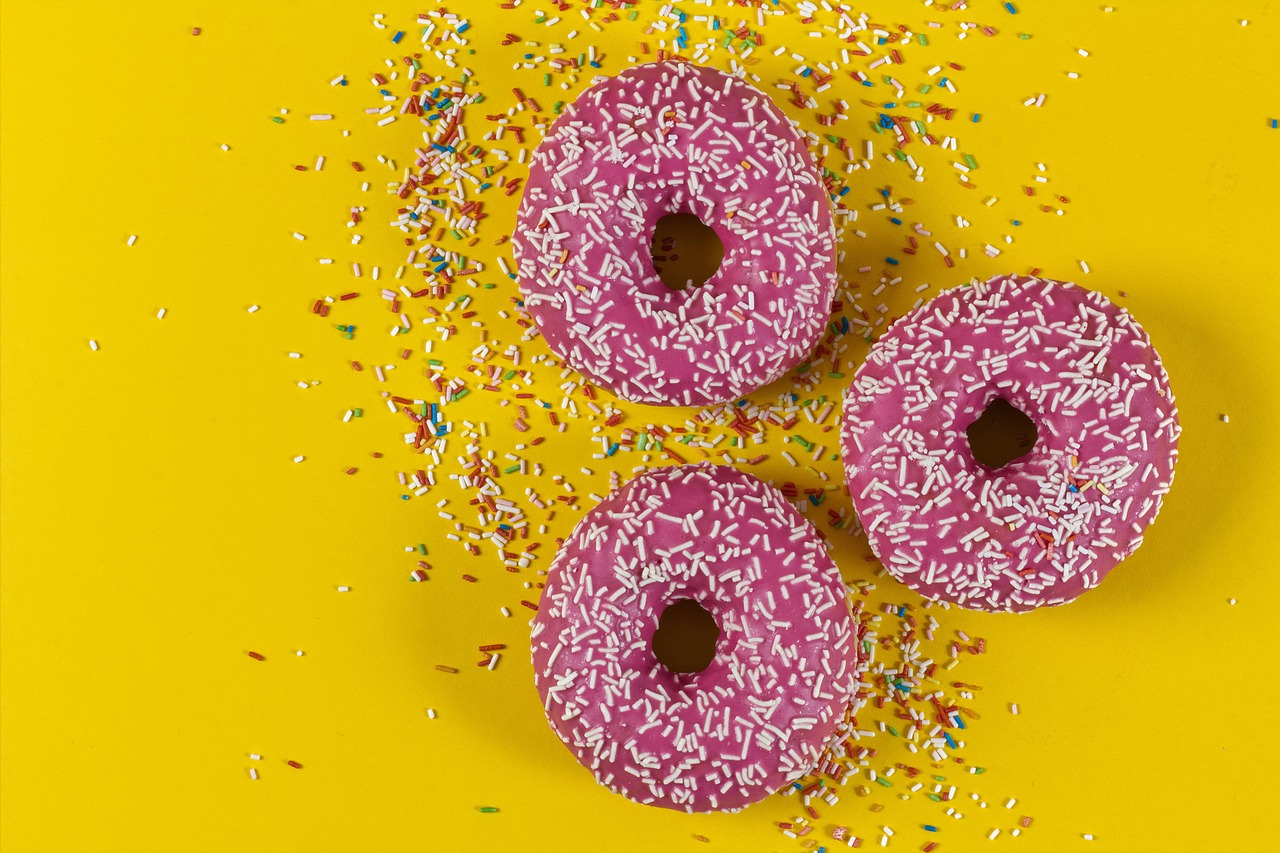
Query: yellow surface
pixel 155 527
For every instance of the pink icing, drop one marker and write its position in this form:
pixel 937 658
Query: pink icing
pixel 786 665
pixel 672 137
pixel 1047 526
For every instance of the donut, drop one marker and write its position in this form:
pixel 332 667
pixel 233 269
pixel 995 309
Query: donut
pixel 786 663
pixel 1038 530
pixel 664 138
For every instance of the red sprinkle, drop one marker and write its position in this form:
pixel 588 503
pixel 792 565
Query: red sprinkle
pixel 294 765
pixel 255 656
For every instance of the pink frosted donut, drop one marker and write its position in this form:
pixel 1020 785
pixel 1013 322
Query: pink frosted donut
pixel 672 137
pixel 1042 528
pixel 786 660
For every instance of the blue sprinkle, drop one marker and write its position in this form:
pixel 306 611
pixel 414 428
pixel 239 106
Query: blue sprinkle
pixel 1010 7
pixel 893 261
pixel 884 193
pixel 395 39
pixel 1017 222
pixel 612 449
pixel 1072 489
pixel 868 83
pixel 462 29
pixel 930 828
pixel 950 742
pixel 441 267
pixel 384 92
pixel 895 220
pixel 1275 123
pixel 977 117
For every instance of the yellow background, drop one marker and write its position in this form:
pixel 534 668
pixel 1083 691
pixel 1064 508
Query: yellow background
pixel 155 527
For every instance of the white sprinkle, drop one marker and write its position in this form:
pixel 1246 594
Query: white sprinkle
pixel 319 163
pixel 253 773
pixel 133 238
pixel 344 589
pixel 386 120
pixel 255 756
pixel 504 611
pixel 992 836
pixel 431 713
pixel 1224 418
pixel 226 147
pixel 322 116
pixel 298 458
pixel 1231 601
pixel 160 314
pixel 253 309
pixel 298 236
pixel 1013 709
pixel 1011 803
pixel 93 345
pixel 1084 266
pixel 1088 836
pixel 295 355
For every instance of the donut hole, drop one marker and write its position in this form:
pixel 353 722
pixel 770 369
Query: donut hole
pixel 686 637
pixel 685 251
pixel 1001 434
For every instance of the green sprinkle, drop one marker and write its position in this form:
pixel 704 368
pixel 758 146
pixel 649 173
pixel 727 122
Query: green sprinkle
pixel 924 41
pixel 422 549
pixel 935 798
pixel 892 731
pixel 358 413
pixel 511 470
pixel 488 809
pixel 508 376
pixel 973 164
pixel 464 392
pixel 435 362
pixel 883 781
pixel 277 119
